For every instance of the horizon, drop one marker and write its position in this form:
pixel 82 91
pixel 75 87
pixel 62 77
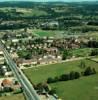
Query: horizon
pixel 50 0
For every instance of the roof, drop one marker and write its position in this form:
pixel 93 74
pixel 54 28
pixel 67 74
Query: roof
pixel 6 82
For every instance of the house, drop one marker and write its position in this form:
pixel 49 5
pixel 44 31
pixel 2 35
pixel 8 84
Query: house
pixel 7 83
pixel 23 62
pixel 1 52
pixel 5 71
pixel 53 23
pixel 9 74
pixel 16 87
pixel 14 55
pixel 2 59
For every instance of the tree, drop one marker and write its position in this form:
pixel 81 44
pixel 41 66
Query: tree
pixel 93 71
pixel 25 54
pixel 8 89
pixel 72 75
pixel 46 87
pixel 64 77
pixel 56 79
pixel 65 55
pixel 40 87
pixel 52 91
pixel 50 80
pixel 94 52
pixel 77 75
pixel 89 71
pixel 82 64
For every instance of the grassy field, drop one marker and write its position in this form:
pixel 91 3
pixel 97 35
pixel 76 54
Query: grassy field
pixel 93 35
pixel 14 97
pixel 41 74
pixel 85 88
pixel 50 33
pixel 25 12
pixel 33 12
pixel 81 52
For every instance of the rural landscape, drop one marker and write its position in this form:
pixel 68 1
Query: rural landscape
pixel 49 50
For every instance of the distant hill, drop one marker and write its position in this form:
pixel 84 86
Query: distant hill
pixel 28 4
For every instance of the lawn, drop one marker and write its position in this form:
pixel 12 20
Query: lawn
pixel 41 74
pixel 13 97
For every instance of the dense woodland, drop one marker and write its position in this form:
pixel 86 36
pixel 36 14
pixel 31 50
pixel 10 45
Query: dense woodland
pixel 70 16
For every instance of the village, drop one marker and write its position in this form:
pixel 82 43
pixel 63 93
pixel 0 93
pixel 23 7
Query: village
pixel 27 49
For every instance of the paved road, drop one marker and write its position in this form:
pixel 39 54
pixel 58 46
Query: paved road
pixel 26 85
pixel 67 60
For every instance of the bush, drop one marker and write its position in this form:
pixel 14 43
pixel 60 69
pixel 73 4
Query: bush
pixel 77 75
pixel 94 52
pixel 40 87
pixel 56 79
pixel 89 71
pixel 50 80
pixel 82 64
pixel 93 71
pixel 64 77
pixel 72 75
pixel 53 91
pixel 65 55
pixel 8 89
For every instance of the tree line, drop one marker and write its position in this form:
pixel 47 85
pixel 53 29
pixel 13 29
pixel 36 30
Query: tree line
pixel 72 75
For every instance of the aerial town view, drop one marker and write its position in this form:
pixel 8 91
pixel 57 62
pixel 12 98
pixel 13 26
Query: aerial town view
pixel 48 49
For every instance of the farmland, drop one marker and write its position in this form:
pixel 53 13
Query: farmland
pixel 70 90
pixel 36 75
pixel 85 88
pixel 49 33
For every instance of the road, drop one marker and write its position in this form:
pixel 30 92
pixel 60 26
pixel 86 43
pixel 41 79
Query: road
pixel 67 60
pixel 26 85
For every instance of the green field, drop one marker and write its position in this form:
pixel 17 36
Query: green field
pixel 85 88
pixel 81 52
pixel 48 33
pixel 33 12
pixel 25 12
pixel 41 74
pixel 13 97
pixel 93 35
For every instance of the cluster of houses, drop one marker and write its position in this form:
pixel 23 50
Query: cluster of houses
pixel 9 85
pixel 7 82
pixel 43 50
pixel 4 69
